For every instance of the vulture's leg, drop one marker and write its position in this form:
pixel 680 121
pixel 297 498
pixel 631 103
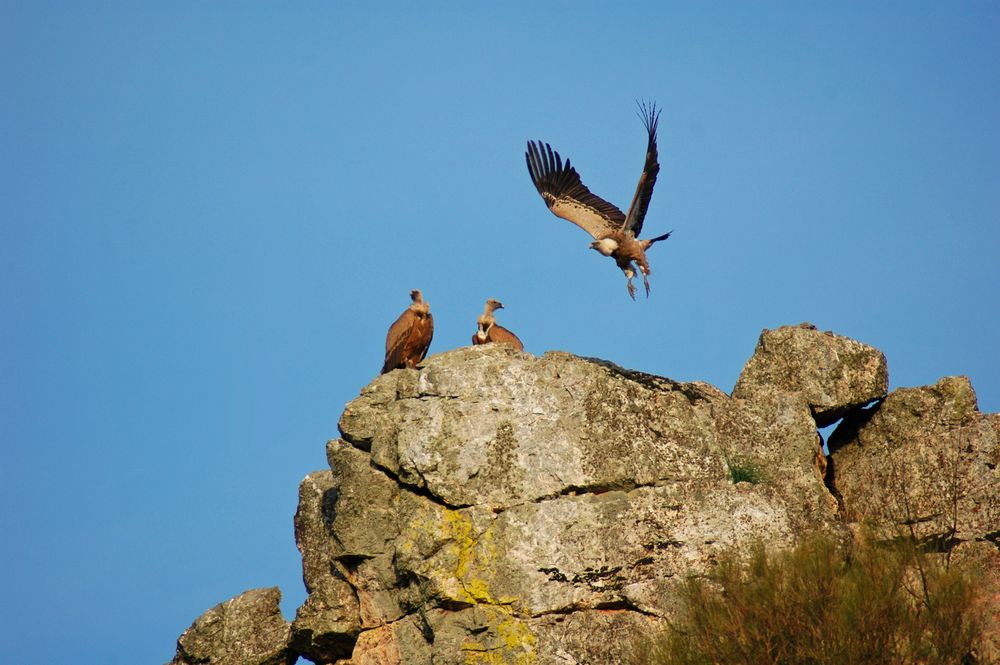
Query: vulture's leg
pixel 629 274
pixel 645 282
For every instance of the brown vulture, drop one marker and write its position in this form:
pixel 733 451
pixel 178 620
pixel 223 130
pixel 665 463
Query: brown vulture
pixel 409 337
pixel 615 233
pixel 488 331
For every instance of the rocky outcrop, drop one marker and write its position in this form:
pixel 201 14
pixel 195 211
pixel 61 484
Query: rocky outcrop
pixel 245 630
pixel 495 507
pixel 834 374
pixel 327 624
pixel 924 459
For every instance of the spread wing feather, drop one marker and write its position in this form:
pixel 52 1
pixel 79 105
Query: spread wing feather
pixel 644 190
pixel 566 195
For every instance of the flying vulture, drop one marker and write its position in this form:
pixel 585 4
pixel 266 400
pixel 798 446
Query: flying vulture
pixel 488 331
pixel 615 234
pixel 410 336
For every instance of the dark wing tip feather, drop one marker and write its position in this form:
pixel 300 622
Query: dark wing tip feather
pixel 558 159
pixel 546 167
pixel 529 158
pixel 650 116
pixel 536 166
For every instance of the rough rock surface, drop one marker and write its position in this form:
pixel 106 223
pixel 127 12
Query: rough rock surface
pixel 327 624
pixel 834 374
pixel 245 630
pixel 925 457
pixel 494 507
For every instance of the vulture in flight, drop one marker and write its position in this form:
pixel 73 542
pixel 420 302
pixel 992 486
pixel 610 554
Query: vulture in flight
pixel 410 336
pixel 488 331
pixel 615 234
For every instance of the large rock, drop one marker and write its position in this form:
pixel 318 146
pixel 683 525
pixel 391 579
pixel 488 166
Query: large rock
pixel 245 630
pixel 495 507
pixel 834 374
pixel 926 459
pixel 923 464
pixel 328 623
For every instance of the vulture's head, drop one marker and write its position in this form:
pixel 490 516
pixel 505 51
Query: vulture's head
pixel 605 246
pixel 493 305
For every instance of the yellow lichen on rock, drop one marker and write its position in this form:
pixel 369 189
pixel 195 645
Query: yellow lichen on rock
pixel 507 640
pixel 443 546
pixel 477 566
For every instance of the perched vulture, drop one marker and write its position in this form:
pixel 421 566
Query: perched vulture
pixel 410 336
pixel 615 234
pixel 488 331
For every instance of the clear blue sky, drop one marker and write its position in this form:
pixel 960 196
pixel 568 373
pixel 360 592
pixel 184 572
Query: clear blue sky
pixel 210 212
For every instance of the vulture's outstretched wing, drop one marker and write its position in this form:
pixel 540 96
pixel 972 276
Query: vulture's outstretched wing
pixel 566 196
pixel 644 191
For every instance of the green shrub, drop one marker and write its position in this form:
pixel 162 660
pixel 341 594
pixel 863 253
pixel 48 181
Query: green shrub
pixel 822 603
pixel 743 470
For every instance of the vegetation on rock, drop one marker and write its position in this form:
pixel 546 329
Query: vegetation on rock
pixel 744 471
pixel 826 603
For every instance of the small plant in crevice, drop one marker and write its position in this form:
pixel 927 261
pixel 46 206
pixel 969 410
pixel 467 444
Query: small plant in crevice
pixel 743 470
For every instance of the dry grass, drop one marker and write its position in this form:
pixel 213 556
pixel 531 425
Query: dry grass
pixel 822 603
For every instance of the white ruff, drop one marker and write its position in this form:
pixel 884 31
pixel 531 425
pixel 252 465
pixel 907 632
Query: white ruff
pixel 605 246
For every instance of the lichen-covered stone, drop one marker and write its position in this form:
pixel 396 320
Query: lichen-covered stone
pixel 589 637
pixel 245 630
pixel 495 507
pixel 833 374
pixel 924 458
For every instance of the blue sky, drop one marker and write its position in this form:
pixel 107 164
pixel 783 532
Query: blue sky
pixel 211 212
